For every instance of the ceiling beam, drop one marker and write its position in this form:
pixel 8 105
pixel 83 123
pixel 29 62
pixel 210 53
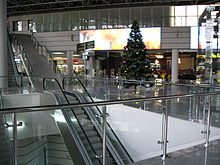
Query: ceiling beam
pixel 18 7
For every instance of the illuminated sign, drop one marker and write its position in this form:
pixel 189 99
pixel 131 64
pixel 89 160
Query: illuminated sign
pixel 90 44
pixel 116 39
pixel 81 47
pixel 194 44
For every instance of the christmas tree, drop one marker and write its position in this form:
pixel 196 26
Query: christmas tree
pixel 135 62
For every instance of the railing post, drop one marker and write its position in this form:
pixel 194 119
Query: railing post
pixel 164 130
pixel 207 132
pixel 104 115
pixel 15 139
pixel 196 103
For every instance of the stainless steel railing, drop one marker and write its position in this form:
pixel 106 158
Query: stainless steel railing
pixel 163 141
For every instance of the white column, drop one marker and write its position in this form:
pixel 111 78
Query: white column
pixel 174 70
pixel 70 63
pixel 91 65
pixel 3 44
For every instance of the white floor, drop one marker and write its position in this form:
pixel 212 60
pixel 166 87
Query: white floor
pixel 140 131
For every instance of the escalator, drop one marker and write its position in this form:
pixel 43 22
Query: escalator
pixel 13 75
pixel 83 130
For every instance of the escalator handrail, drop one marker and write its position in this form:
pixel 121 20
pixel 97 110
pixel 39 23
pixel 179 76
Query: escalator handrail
pixel 100 113
pixel 60 87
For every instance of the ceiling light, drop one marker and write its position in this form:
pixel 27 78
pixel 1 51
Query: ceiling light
pixel 57 53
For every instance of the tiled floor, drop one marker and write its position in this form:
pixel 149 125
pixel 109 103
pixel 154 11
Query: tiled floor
pixel 197 155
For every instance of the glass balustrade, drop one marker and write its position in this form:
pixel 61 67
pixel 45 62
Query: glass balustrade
pixel 127 125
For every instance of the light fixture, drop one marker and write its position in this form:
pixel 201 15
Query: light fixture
pixel 156 61
pixel 159 56
pixel 57 53
pixel 19 124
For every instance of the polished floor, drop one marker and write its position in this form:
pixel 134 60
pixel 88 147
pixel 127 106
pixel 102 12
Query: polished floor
pixel 197 155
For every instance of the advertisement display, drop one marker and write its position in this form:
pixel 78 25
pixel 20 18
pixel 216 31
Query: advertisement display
pixel 116 39
pixel 202 39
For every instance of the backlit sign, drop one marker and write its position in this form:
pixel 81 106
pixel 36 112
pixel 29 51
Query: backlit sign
pixel 116 39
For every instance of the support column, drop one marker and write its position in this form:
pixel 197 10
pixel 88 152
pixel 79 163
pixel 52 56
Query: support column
pixel 174 70
pixel 91 64
pixel 70 63
pixel 3 45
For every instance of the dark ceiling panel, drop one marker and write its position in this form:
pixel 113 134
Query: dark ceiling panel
pixel 19 7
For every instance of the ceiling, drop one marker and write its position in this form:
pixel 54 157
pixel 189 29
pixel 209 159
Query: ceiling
pixel 20 7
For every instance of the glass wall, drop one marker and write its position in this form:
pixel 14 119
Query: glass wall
pixel 158 16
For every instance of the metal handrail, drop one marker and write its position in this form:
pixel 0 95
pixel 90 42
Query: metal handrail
pixel 63 81
pixel 99 103
pixel 164 83
pixel 44 80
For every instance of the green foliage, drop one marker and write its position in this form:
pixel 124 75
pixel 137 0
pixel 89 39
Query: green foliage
pixel 135 62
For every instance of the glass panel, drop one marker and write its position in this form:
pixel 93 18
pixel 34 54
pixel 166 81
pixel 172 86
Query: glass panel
pixel 185 123
pixel 156 13
pixel 180 11
pixel 201 8
pixel 94 20
pixel 215 116
pixel 56 21
pixel 75 20
pixel 125 17
pixel 135 14
pixel 191 11
pixel 104 19
pixel 84 19
pixel 146 16
pixel 191 21
pixel 139 140
pixel 180 21
pixel 39 139
pixel 114 18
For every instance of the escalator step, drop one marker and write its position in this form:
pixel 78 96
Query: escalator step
pixel 82 116
pixel 95 161
pixel 86 128
pixel 89 133
pixel 78 112
pixel 96 146
pixel 92 140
